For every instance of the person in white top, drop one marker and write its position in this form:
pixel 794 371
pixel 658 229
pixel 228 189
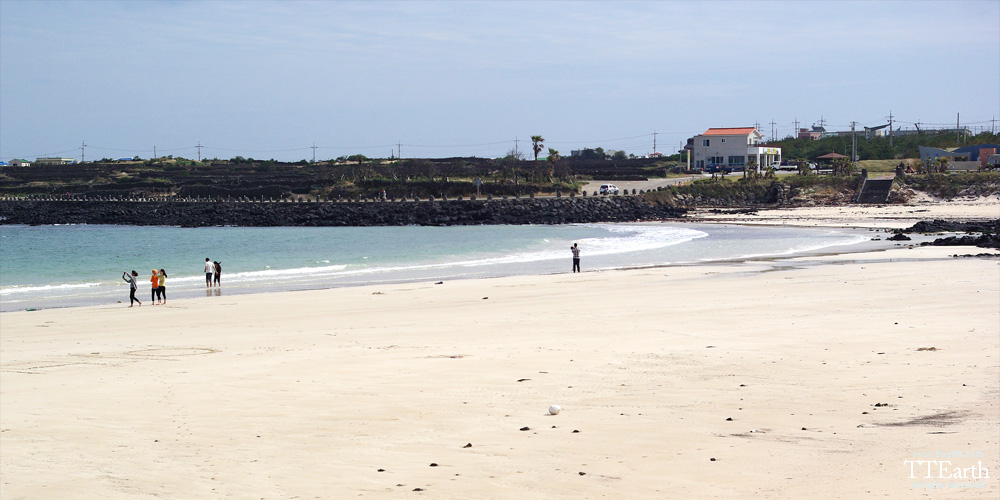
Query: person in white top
pixel 209 269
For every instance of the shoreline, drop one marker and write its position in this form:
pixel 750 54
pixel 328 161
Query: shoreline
pixel 214 292
pixel 877 243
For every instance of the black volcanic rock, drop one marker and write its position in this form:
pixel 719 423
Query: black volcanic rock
pixel 264 214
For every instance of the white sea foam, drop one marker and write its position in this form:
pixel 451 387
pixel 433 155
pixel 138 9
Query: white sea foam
pixel 15 290
pixel 808 246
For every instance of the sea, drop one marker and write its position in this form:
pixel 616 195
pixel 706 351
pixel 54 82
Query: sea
pixel 80 265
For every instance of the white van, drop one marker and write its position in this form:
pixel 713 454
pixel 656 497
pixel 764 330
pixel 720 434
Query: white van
pixel 609 189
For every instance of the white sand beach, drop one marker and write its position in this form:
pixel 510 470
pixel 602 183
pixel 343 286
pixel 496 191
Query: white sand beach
pixel 813 377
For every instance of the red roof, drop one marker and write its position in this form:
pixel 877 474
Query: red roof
pixel 730 131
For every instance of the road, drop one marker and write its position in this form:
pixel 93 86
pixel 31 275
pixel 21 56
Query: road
pixel 649 185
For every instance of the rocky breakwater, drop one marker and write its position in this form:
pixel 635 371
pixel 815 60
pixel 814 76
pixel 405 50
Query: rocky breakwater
pixel 354 213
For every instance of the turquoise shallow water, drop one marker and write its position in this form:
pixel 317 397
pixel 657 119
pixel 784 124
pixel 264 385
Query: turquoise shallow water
pixel 60 266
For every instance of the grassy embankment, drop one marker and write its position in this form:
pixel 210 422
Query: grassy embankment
pixel 818 189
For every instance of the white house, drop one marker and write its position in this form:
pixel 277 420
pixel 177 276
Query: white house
pixel 732 148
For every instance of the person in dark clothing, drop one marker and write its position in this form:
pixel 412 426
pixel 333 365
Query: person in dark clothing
pixel 576 257
pixel 130 279
pixel 218 273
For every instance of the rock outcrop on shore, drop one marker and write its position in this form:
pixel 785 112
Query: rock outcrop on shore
pixel 983 234
pixel 385 213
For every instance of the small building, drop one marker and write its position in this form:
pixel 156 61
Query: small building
pixel 978 152
pixel 52 160
pixel 814 133
pixel 731 149
pixel 929 155
pixel 873 132
pixel 963 158
pixel 17 162
pixel 900 132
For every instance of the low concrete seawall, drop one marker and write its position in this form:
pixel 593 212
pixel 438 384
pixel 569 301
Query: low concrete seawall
pixel 380 213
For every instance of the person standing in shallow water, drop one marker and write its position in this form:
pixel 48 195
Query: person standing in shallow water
pixel 209 270
pixel 576 257
pixel 218 273
pixel 130 279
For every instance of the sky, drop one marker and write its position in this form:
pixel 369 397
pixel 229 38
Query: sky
pixel 290 80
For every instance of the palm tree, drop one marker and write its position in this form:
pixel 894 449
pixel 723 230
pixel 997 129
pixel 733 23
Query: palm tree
pixel 552 159
pixel 536 146
pixel 942 164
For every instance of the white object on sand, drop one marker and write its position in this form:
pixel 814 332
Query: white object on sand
pixel 554 409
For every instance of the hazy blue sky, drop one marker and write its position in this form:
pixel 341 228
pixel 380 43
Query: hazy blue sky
pixel 271 79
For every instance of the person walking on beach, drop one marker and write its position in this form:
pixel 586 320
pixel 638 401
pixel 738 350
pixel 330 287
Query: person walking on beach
pixel 218 274
pixel 209 269
pixel 130 279
pixel 154 283
pixel 576 257
pixel 161 292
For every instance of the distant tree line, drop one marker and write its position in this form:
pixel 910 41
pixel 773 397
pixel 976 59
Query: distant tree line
pixel 879 148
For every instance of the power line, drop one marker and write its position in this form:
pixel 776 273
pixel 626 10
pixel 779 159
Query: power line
pixel 622 143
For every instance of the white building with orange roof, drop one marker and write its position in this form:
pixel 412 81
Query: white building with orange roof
pixel 732 149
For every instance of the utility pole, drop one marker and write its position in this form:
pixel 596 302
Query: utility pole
pixel 822 122
pixel 154 153
pixel 993 124
pixel 654 140
pixel 772 130
pixel 399 150
pixel 314 152
pixel 199 151
pixel 890 130
pixel 83 146
pixel 515 146
pixel 796 133
pixel 958 121
pixel 854 144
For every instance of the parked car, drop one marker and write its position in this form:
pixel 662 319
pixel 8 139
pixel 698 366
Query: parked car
pixel 609 189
